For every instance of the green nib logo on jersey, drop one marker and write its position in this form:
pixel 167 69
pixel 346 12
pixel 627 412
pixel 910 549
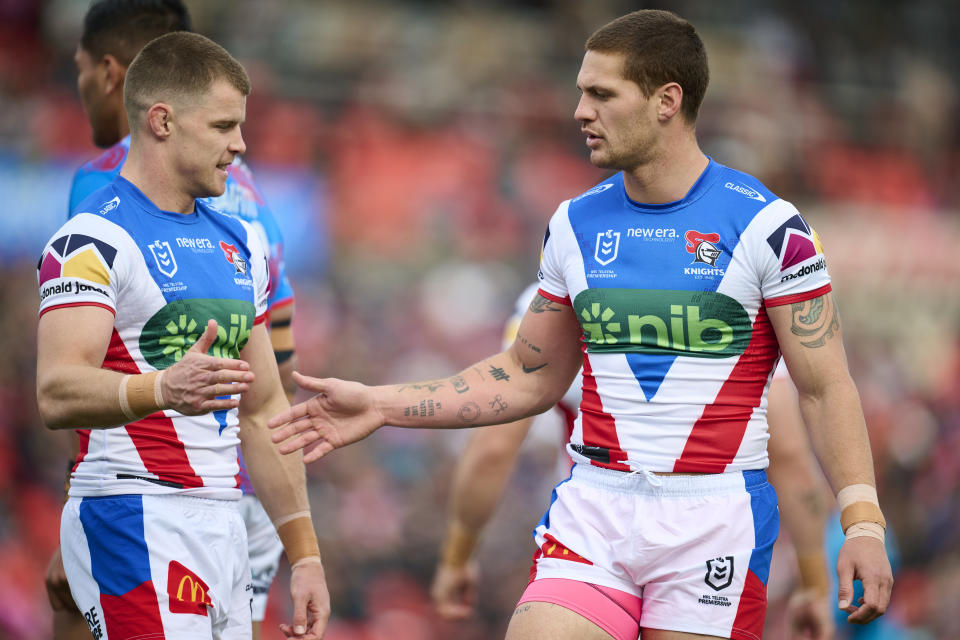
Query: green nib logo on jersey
pixel 597 326
pixel 169 334
pixel 702 324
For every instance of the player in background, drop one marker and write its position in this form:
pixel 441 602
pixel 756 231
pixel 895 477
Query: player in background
pixel 113 32
pixel 491 454
pixel 676 284
pixel 152 541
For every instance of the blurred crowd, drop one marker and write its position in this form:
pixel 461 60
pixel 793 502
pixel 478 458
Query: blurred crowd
pixel 429 143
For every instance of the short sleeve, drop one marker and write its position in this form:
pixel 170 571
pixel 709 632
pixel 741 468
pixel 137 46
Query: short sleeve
pixel 82 264
pixel 791 262
pixel 260 271
pixel 552 281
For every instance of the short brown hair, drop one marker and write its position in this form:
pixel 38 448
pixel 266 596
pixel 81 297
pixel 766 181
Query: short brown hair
pixel 660 47
pixel 178 65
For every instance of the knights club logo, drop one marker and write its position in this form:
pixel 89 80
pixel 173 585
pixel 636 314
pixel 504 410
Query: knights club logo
pixel 608 245
pixel 719 573
pixel 163 255
pixel 703 246
pixel 233 257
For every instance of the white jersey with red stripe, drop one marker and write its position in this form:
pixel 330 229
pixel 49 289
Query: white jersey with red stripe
pixel 678 348
pixel 163 275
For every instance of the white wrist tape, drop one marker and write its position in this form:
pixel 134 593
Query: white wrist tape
pixel 124 402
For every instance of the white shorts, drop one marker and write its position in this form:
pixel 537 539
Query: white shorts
pixel 264 548
pixel 695 549
pixel 147 567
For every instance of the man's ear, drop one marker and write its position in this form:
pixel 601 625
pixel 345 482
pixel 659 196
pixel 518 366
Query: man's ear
pixel 114 73
pixel 670 97
pixel 158 120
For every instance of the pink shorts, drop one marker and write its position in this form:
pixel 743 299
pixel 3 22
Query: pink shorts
pixel 695 549
pixel 614 611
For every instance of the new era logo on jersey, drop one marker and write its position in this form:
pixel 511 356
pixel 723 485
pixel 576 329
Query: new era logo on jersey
pixel 233 257
pixel 163 255
pixel 744 190
pixel 608 245
pixel 77 256
pixel 794 242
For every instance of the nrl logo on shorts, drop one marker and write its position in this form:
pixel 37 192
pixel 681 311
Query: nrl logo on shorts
pixel 163 254
pixel 719 573
pixel 608 244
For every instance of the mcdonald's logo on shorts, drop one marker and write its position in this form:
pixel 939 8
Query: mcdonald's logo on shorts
pixel 188 593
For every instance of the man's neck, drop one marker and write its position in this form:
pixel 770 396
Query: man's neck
pixel 669 176
pixel 148 175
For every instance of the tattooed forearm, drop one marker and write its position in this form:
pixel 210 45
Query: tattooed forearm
pixel 815 321
pixel 499 374
pixel 498 405
pixel 459 384
pixel 429 386
pixel 528 344
pixel 527 369
pixel 469 412
pixel 424 409
pixel 541 305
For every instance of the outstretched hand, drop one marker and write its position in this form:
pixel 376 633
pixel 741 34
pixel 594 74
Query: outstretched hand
pixel 864 559
pixel 342 412
pixel 193 385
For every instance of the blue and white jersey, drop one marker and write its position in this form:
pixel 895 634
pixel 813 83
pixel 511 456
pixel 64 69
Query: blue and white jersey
pixel 678 348
pixel 163 275
pixel 241 199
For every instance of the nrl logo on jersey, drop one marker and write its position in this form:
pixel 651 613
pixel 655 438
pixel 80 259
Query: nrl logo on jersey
pixel 163 254
pixel 608 245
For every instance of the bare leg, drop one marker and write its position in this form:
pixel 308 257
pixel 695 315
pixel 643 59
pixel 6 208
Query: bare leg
pixel 661 634
pixel 548 621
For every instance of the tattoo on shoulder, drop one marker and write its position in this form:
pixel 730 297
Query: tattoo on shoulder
pixel 815 321
pixel 542 305
pixel 469 412
pixel 521 609
pixel 429 386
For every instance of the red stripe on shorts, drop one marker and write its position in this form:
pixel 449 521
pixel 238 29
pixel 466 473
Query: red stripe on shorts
pixel 715 438
pixel 135 614
pixel 748 625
